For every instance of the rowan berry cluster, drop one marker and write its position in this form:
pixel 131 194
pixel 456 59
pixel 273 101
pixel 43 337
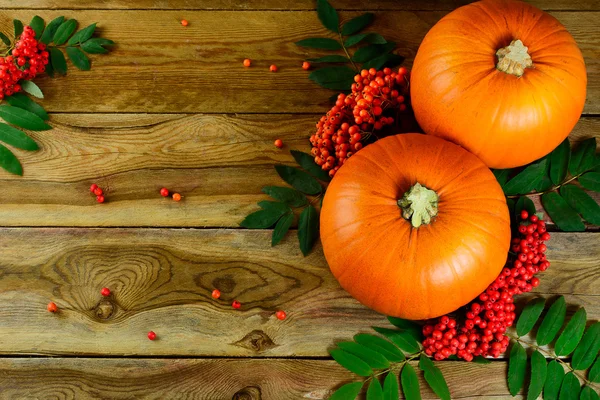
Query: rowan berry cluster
pixel 28 59
pixel 377 98
pixel 482 332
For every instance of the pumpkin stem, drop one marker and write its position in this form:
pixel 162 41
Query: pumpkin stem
pixel 419 205
pixel 514 58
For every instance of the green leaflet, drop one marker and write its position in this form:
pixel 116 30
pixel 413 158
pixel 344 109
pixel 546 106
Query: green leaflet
pixel 4 39
pixel 530 315
pixel 289 196
pixel 552 322
pixel 265 218
pixel 538 375
pixel 328 15
pixel 82 35
pixel 385 60
pixel 348 391
pixel 374 392
pixel 57 58
pixel 22 118
pixel 526 180
pixel 320 43
pixel 37 24
pixel 590 181
pixel 371 357
pixel 403 339
pixel 96 45
pixel 18 27
pixel 588 348
pixel 351 362
pixel 16 138
pixel 64 32
pixel 517 363
pixel 9 162
pixel 570 388
pixel 23 101
pixel 588 394
pixel 373 38
pixel 333 58
pixel 559 162
pixel 51 29
pixel 502 175
pixel 594 372
pixel 410 383
pixel 308 229
pixel 434 378
pixel 554 377
pixel 582 157
pixel 371 51
pixel 391 389
pixel 335 77
pixel 561 213
pixel 357 24
pixel 33 89
pixel 307 162
pixel 380 345
pixel 571 335
pixel 299 179
pixel 581 202
pixel 281 228
pixel 78 58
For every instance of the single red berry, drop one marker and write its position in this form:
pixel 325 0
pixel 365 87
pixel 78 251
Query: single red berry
pixel 273 68
pixel 247 62
pixel 100 199
pixel 236 304
pixel 105 292
pixel 98 191
pixel 52 307
pixel 93 187
pixel 216 294
pixel 402 70
pixel 280 315
pixel 306 65
pixel 278 143
pixel 184 22
pixel 176 196
pixel 524 215
pixel 151 335
pixel 164 192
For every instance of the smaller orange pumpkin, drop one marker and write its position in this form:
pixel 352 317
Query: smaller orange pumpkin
pixel 414 226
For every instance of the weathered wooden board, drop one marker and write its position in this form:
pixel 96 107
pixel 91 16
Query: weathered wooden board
pixel 245 5
pixel 218 162
pixel 160 66
pixel 238 379
pixel 162 279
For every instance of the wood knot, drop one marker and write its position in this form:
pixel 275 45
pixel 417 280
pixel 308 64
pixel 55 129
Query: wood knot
pixel 226 284
pixel 248 393
pixel 105 309
pixel 256 340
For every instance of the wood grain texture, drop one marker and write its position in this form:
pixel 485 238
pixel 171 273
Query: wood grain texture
pixel 266 379
pixel 218 162
pixel 161 280
pixel 244 5
pixel 160 66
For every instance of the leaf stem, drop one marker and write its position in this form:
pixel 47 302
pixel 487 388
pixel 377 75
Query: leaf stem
pixel 346 51
pixel 397 366
pixel 571 179
pixel 554 357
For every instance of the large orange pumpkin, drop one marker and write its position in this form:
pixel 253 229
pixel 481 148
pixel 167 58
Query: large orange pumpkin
pixel 414 226
pixel 501 78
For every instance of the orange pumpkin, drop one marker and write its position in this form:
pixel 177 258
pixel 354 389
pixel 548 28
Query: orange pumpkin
pixel 414 226
pixel 501 78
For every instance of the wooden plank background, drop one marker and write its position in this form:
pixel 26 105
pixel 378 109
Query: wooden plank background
pixel 173 106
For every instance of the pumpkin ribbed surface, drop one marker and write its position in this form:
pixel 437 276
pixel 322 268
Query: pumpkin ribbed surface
pixel 399 270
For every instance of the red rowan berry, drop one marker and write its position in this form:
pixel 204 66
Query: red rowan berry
pixel 273 68
pixel 216 294
pixel 247 62
pixel 164 192
pixel 105 292
pixel 52 307
pixel 184 22
pixel 176 196
pixel 151 335
pixel 306 65
pixel 236 304
pixel 278 143
pixel 281 315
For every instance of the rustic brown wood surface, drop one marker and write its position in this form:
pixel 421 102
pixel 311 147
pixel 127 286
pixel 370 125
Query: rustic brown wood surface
pixel 160 66
pixel 173 106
